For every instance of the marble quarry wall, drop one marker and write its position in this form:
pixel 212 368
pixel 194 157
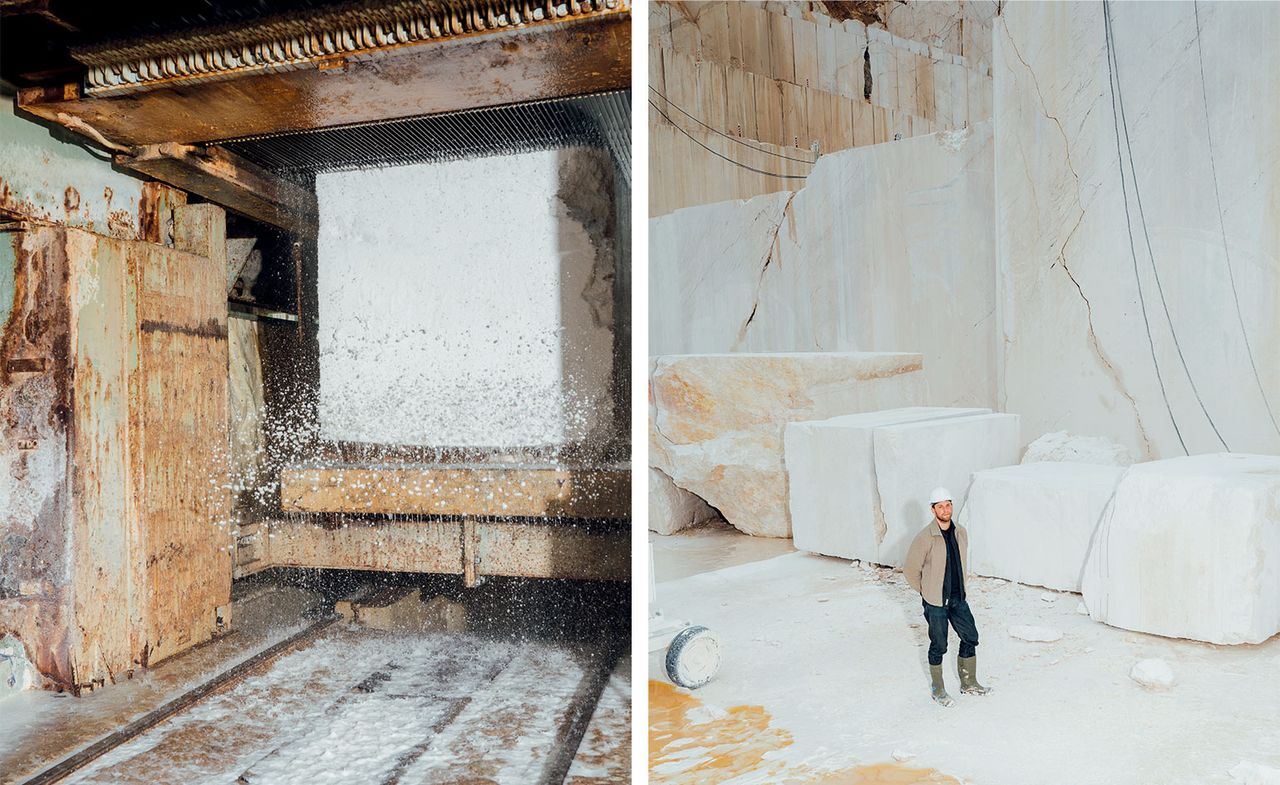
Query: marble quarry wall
pixel 887 248
pixel 1136 190
pixel 760 84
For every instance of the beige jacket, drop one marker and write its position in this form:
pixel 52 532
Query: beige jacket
pixel 927 560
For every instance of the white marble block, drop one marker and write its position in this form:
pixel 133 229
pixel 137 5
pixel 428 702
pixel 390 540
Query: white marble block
pixel 717 420
pixel 1033 523
pixel 831 473
pixel 672 508
pixel 914 458
pixel 1190 548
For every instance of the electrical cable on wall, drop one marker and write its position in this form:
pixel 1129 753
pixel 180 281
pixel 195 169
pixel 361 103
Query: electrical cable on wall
pixel 1235 294
pixel 731 137
pixel 1113 67
pixel 721 155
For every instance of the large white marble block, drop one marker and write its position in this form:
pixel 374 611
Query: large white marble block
pixel 717 420
pixel 672 508
pixel 1033 523
pixel 886 247
pixel 1190 548
pixel 831 473
pixel 914 458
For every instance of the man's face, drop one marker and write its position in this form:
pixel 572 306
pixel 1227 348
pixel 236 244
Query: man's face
pixel 943 511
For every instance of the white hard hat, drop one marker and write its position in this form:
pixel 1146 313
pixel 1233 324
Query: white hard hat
pixel 939 494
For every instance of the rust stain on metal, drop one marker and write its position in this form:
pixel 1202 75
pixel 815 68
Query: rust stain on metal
pixel 211 328
pixel 33 410
pixel 71 200
pixel 395 82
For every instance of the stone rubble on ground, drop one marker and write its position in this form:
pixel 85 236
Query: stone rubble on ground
pixel 1035 634
pixel 1061 446
pixel 1249 773
pixel 1154 674
pixel 17 673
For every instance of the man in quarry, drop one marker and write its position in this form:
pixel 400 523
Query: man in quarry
pixel 936 568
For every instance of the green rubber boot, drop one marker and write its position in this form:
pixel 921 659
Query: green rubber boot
pixel 969 677
pixel 939 689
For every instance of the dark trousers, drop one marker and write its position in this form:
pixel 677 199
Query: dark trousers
pixel 960 617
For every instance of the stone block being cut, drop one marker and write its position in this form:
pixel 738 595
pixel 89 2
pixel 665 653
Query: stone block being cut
pixel 914 458
pixel 1033 523
pixel 831 472
pixel 717 420
pixel 1190 548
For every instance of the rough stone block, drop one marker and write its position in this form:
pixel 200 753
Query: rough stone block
pixel 914 458
pixel 672 508
pixel 831 473
pixel 717 420
pixel 1190 548
pixel 1033 523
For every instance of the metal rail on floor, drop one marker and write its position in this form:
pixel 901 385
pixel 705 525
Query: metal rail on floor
pixel 79 760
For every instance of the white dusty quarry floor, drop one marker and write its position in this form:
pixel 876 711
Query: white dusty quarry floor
pixel 824 680
pixel 511 701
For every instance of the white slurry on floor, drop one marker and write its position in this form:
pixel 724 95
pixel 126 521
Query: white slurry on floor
pixel 363 707
pixel 835 653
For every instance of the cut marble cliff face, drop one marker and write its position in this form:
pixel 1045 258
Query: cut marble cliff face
pixel 1134 228
pixel 446 342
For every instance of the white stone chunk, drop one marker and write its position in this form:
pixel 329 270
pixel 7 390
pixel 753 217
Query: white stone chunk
pixel 1250 773
pixel 831 473
pixel 1153 674
pixel 1034 634
pixel 717 420
pixel 914 458
pixel 17 673
pixel 1190 548
pixel 672 508
pixel 1033 523
pixel 1062 446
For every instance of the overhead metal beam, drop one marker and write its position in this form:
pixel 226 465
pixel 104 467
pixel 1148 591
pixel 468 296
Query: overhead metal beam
pixel 228 180
pixel 584 55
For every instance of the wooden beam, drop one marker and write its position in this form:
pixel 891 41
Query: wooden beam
pixel 228 180
pixel 460 491
pixel 579 57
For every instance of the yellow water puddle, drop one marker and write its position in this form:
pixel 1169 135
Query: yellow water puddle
pixel 691 743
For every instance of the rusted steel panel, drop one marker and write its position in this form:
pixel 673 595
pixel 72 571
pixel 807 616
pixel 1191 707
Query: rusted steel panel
pixel 227 179
pixel 398 546
pixel 104 580
pixel 113 404
pixel 561 550
pixel 460 490
pixel 180 458
pixel 589 55
pixel 35 415
pixel 155 212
